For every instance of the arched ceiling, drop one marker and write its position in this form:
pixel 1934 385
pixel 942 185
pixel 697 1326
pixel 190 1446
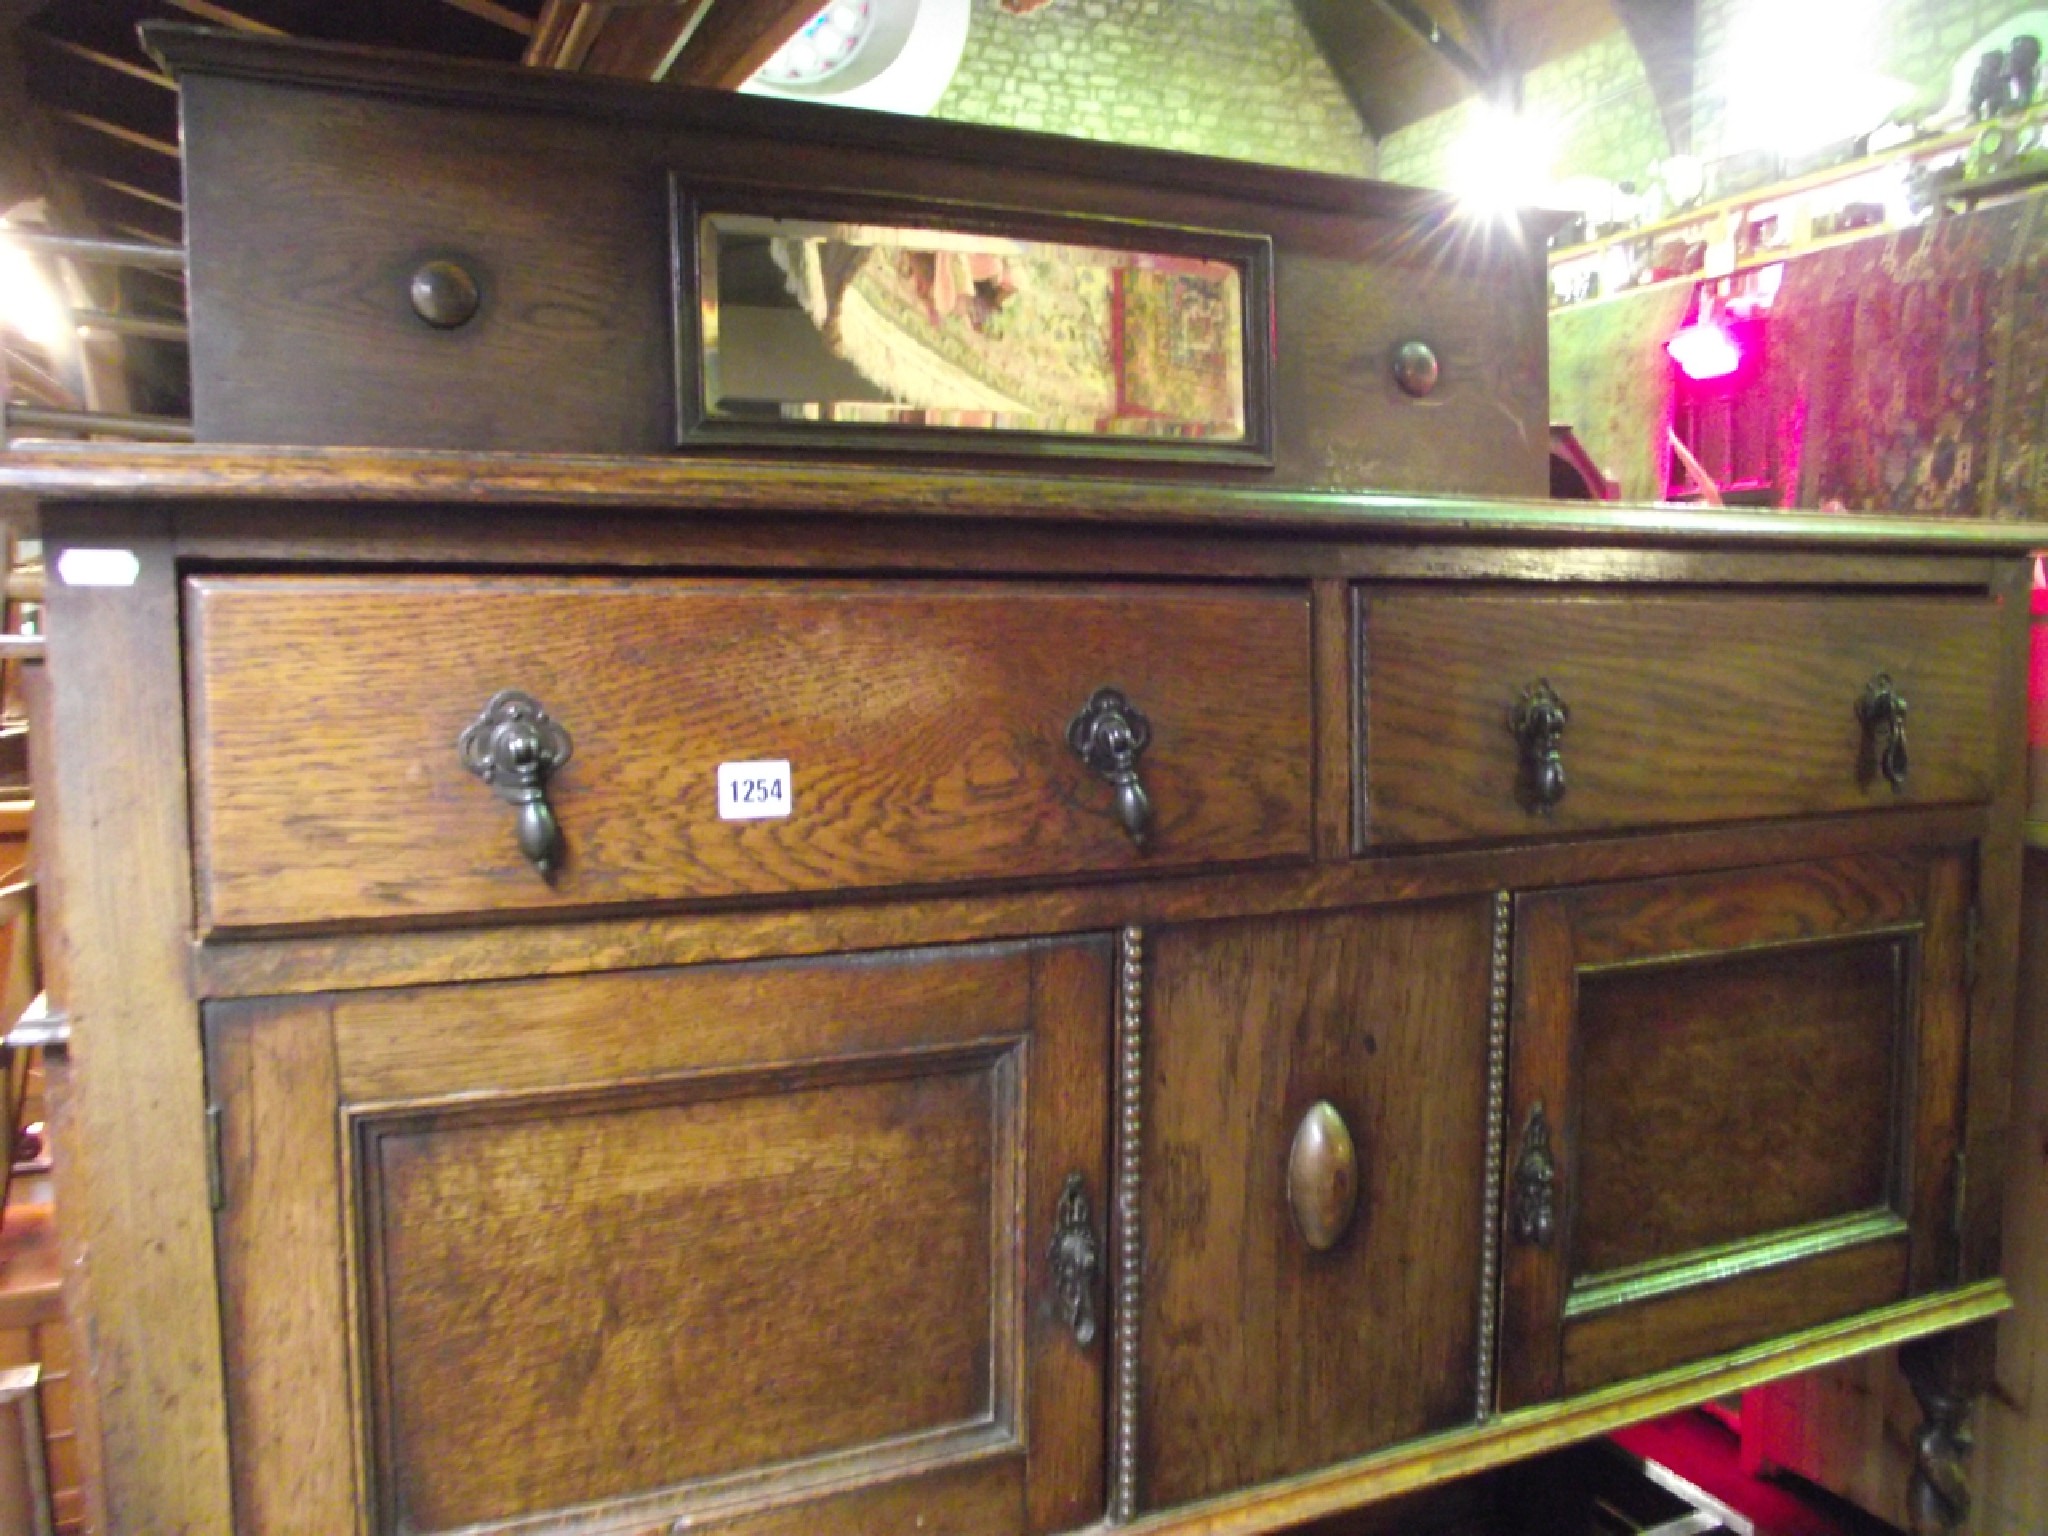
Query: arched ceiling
pixel 1404 60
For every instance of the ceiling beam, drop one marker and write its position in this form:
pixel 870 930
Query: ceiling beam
pixel 1426 30
pixel 712 43
pixel 141 194
pixel 221 16
pixel 735 38
pixel 1664 35
pixel 117 131
pixel 496 15
pixel 104 60
pixel 149 236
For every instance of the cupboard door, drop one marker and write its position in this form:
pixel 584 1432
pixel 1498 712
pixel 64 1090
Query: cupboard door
pixel 767 1247
pixel 1287 1323
pixel 1733 1110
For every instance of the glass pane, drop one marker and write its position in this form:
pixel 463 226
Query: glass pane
pixel 865 324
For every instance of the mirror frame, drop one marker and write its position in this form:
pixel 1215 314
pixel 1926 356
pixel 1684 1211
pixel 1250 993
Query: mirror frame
pixel 695 318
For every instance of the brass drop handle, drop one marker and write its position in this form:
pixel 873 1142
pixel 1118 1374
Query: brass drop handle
pixel 1533 1213
pixel 1538 720
pixel 1109 735
pixel 1322 1177
pixel 1076 1259
pixel 1882 710
pixel 514 746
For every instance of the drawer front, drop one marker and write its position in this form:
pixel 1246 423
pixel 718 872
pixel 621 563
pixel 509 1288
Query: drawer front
pixel 1733 1107
pixel 1678 708
pixel 767 1247
pixel 925 730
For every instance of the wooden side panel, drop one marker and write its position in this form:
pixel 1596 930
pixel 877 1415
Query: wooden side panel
pixel 116 883
pixel 1261 1357
pixel 1682 709
pixel 925 727
pixel 283 1268
pixel 2012 1448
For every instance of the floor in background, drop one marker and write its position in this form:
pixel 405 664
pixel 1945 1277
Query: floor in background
pixel 1704 1451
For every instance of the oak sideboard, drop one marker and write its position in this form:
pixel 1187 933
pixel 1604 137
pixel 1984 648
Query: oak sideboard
pixel 641 963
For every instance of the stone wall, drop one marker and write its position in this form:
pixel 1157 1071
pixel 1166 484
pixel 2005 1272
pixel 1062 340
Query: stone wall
pixel 1600 101
pixel 1598 98
pixel 1238 78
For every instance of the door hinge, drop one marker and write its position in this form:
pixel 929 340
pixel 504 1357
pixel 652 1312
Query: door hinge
pixel 216 1176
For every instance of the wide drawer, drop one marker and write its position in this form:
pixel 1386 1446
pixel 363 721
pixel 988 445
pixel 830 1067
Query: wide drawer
pixel 1678 708
pixel 925 728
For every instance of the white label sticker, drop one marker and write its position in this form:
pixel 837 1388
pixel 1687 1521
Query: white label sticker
pixel 751 791
pixel 98 567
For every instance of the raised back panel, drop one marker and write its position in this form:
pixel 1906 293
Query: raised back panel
pixel 319 183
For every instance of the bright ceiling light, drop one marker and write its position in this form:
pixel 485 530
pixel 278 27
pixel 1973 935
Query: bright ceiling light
pixel 1805 75
pixel 29 306
pixel 1502 161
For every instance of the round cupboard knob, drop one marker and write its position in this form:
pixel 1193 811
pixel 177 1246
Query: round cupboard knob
pixel 1322 1177
pixel 1416 369
pixel 445 294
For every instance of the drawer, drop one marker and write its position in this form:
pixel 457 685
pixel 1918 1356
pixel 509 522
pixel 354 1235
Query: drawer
pixel 1678 708
pixel 925 728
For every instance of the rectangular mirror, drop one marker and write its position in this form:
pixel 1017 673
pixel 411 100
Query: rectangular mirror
pixel 913 333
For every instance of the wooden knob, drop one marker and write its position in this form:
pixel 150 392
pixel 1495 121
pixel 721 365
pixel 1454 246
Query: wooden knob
pixel 1415 368
pixel 445 294
pixel 1322 1177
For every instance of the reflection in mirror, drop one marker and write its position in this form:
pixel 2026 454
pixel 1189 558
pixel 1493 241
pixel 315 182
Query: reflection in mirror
pixel 863 323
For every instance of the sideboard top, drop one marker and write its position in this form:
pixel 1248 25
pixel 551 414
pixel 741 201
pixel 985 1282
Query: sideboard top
pixel 59 472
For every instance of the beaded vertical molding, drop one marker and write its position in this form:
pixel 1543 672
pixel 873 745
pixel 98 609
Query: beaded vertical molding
pixel 1130 1101
pixel 1496 1153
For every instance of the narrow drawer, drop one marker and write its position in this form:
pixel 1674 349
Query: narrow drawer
pixel 1677 708
pixel 925 728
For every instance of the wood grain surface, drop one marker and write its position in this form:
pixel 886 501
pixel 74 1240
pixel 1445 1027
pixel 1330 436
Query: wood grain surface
pixel 1727 1062
pixel 609 940
pixel 304 233
pixel 925 727
pixel 113 868
pixel 1260 1356
pixel 1682 708
pixel 1735 1096
pixel 281 1236
pixel 1697 1325
pixel 589 1287
pixel 332 488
